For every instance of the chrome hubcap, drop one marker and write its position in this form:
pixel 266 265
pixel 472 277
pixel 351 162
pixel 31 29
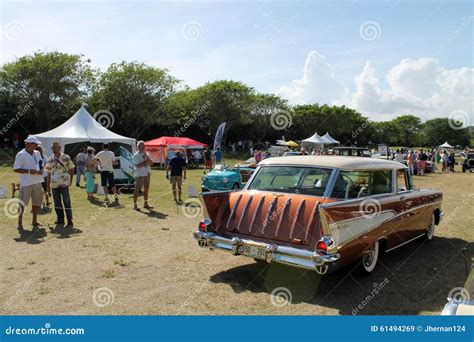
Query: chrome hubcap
pixel 369 257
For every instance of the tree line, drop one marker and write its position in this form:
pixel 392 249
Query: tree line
pixel 42 90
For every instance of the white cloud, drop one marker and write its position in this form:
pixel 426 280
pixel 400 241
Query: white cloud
pixel 414 86
pixel 319 83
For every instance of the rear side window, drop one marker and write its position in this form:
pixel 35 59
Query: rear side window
pixel 404 180
pixel 381 182
pixel 359 184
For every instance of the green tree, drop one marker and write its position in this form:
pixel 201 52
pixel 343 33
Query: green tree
pixel 406 129
pixel 135 94
pixel 52 84
pixel 437 131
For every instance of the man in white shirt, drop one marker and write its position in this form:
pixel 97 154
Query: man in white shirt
pixel 29 164
pixel 106 159
pixel 143 163
pixel 399 156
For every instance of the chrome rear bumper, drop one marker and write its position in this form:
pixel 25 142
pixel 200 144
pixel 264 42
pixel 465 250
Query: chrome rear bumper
pixel 320 263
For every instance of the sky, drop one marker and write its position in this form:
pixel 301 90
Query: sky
pixel 383 58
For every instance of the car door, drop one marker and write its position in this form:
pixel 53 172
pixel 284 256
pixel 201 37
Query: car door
pixel 412 205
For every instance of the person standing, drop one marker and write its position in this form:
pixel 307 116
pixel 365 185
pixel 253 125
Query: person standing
pixel 207 159
pixel 80 166
pixel 451 161
pixel 444 168
pixel 90 170
pixel 218 155
pixel 399 156
pixel 15 140
pixel 44 160
pixel 422 157
pixel 60 173
pixel 258 156
pixel 105 159
pixel 197 157
pixel 410 161
pixel 177 166
pixel 29 165
pixel 143 163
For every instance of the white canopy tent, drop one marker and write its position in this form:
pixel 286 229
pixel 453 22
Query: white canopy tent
pixel 330 140
pixel 81 127
pixel 314 139
pixel 446 145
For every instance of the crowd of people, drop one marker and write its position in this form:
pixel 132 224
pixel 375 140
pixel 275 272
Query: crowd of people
pixel 42 177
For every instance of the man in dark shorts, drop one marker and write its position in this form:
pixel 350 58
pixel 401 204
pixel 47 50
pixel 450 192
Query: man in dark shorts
pixel 177 166
pixel 106 160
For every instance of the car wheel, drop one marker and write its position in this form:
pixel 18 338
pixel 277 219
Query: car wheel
pixel 236 186
pixel 431 229
pixel 368 261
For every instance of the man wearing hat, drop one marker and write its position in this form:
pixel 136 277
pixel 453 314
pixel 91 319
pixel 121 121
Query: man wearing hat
pixel 29 165
pixel 60 172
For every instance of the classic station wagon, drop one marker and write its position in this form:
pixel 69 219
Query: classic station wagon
pixel 320 213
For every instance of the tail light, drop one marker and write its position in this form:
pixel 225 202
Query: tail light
pixel 321 247
pixel 323 244
pixel 204 225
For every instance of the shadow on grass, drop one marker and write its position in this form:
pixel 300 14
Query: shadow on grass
pixel 411 279
pixel 153 213
pixel 64 232
pixel 31 237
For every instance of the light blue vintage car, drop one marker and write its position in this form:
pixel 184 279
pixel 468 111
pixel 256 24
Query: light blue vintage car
pixel 223 177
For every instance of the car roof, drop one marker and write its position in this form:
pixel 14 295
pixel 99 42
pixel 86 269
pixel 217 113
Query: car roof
pixel 340 162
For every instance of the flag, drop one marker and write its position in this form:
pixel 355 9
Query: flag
pixel 219 134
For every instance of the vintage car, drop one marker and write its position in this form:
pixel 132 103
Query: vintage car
pixel 223 177
pixel 352 151
pixel 320 213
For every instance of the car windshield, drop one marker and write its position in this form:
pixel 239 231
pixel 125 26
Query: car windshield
pixel 292 179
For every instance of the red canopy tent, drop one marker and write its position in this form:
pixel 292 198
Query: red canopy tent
pixel 158 148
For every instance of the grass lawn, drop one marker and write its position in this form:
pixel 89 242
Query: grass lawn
pixel 148 263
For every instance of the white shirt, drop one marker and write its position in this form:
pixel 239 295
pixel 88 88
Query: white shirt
pixel 399 157
pixel 81 159
pixel 138 158
pixel 197 155
pixel 24 160
pixel 106 160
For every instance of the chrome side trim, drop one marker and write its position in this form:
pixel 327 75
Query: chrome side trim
pixel 404 243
